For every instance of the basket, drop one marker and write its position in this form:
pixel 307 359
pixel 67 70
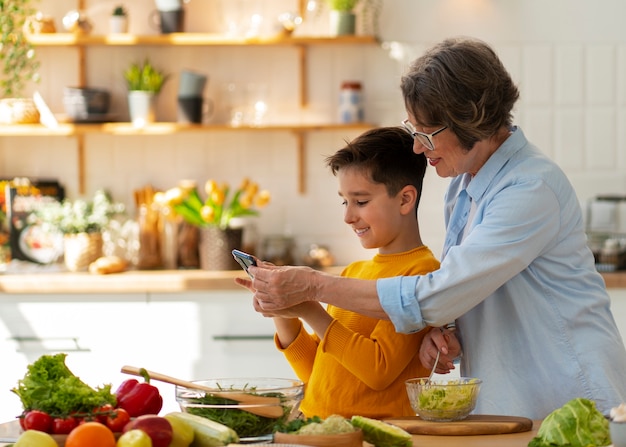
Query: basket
pixel 81 249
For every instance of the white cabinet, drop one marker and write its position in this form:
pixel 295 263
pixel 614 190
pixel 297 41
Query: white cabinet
pixel 190 335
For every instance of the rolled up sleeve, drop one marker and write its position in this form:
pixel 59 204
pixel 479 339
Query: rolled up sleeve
pixel 398 300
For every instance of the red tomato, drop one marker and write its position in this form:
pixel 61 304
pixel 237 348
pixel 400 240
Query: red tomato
pixel 118 420
pixel 38 420
pixel 62 426
pixel 21 418
pixel 103 412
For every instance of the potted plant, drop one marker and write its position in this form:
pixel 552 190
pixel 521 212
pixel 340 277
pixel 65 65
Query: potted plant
pixel 343 15
pixel 118 22
pixel 215 216
pixel 144 82
pixel 81 222
pixel 18 64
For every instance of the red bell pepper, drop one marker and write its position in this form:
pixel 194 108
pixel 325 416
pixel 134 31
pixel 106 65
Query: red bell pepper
pixel 139 398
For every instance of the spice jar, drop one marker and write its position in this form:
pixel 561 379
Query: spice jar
pixel 350 102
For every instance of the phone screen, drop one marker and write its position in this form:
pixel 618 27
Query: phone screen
pixel 245 260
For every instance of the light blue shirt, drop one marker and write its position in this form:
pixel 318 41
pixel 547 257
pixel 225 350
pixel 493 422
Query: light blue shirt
pixel 532 312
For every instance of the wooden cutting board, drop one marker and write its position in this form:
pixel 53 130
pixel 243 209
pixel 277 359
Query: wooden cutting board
pixel 474 424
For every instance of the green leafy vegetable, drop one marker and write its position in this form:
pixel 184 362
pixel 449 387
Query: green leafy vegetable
pixel 578 423
pixel 224 411
pixel 50 386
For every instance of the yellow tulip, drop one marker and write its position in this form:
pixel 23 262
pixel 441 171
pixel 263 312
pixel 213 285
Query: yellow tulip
pixel 262 199
pixel 217 196
pixel 207 213
pixel 174 196
pixel 244 183
pixel 252 189
pixel 210 186
pixel 187 186
pixel 245 201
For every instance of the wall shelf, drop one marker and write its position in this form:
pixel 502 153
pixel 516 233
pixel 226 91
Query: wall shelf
pixel 83 42
pixel 127 129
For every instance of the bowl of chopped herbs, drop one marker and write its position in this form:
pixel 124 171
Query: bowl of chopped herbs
pixel 253 407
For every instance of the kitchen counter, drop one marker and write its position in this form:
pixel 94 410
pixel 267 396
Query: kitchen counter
pixel 154 281
pixel 510 440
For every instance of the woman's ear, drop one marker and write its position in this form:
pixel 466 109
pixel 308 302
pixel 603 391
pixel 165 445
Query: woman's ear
pixel 408 196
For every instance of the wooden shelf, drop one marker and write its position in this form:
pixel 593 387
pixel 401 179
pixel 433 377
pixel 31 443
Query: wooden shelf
pixel 191 39
pixel 81 42
pixel 164 128
pixel 127 129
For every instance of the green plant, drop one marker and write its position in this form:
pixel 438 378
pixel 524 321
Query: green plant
pixel 144 77
pixel 342 5
pixel 17 56
pixel 120 11
pixel 80 216
pixel 219 207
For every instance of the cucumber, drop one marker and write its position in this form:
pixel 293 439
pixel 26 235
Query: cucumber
pixel 207 433
pixel 382 434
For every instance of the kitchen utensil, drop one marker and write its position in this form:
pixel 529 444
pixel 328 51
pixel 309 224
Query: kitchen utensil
pixel 259 405
pixel 432 372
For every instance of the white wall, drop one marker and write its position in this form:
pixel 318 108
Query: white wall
pixel 568 56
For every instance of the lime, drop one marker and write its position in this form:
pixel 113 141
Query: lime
pixel 382 434
pixel 35 438
pixel 182 432
pixel 134 438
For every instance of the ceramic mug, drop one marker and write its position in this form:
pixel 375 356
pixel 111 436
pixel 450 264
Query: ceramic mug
pixel 194 109
pixel 191 83
pixel 170 21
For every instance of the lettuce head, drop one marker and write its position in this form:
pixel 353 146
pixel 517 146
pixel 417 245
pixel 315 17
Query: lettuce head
pixel 578 423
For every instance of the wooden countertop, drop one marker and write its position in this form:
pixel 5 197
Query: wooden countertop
pixel 510 440
pixel 154 281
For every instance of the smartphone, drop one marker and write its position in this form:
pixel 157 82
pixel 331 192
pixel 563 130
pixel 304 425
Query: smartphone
pixel 244 259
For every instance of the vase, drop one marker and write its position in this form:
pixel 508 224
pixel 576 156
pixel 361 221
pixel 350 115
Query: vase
pixel 118 24
pixel 342 23
pixel 141 107
pixel 216 246
pixel 81 249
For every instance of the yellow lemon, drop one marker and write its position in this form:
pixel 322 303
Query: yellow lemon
pixel 134 438
pixel 35 438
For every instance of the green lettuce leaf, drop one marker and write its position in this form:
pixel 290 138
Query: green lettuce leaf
pixel 578 423
pixel 50 386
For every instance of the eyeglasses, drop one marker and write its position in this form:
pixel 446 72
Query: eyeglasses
pixel 426 139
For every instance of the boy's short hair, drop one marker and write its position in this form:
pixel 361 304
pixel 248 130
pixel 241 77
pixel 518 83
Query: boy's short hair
pixel 386 155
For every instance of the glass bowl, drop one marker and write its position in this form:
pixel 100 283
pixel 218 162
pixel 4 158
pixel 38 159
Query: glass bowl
pixel 252 406
pixel 443 400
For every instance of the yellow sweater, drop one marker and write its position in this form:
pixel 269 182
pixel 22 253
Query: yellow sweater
pixel 360 366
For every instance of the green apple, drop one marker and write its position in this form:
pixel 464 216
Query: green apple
pixel 35 438
pixel 134 438
pixel 182 432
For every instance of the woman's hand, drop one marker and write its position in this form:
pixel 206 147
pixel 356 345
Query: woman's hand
pixel 444 341
pixel 277 287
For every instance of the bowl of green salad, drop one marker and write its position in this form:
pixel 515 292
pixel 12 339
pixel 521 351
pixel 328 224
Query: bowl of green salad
pixel 252 406
pixel 443 400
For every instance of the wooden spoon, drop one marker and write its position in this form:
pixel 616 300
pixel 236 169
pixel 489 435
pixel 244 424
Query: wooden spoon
pixel 260 405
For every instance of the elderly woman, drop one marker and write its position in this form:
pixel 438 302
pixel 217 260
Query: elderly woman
pixel 516 275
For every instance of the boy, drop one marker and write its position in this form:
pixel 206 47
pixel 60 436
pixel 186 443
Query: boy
pixel 352 364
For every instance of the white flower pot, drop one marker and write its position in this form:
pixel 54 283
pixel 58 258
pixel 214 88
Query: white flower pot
pixel 142 107
pixel 118 24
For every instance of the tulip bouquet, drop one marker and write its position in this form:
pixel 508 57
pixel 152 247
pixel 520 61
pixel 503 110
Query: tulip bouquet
pixel 219 207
